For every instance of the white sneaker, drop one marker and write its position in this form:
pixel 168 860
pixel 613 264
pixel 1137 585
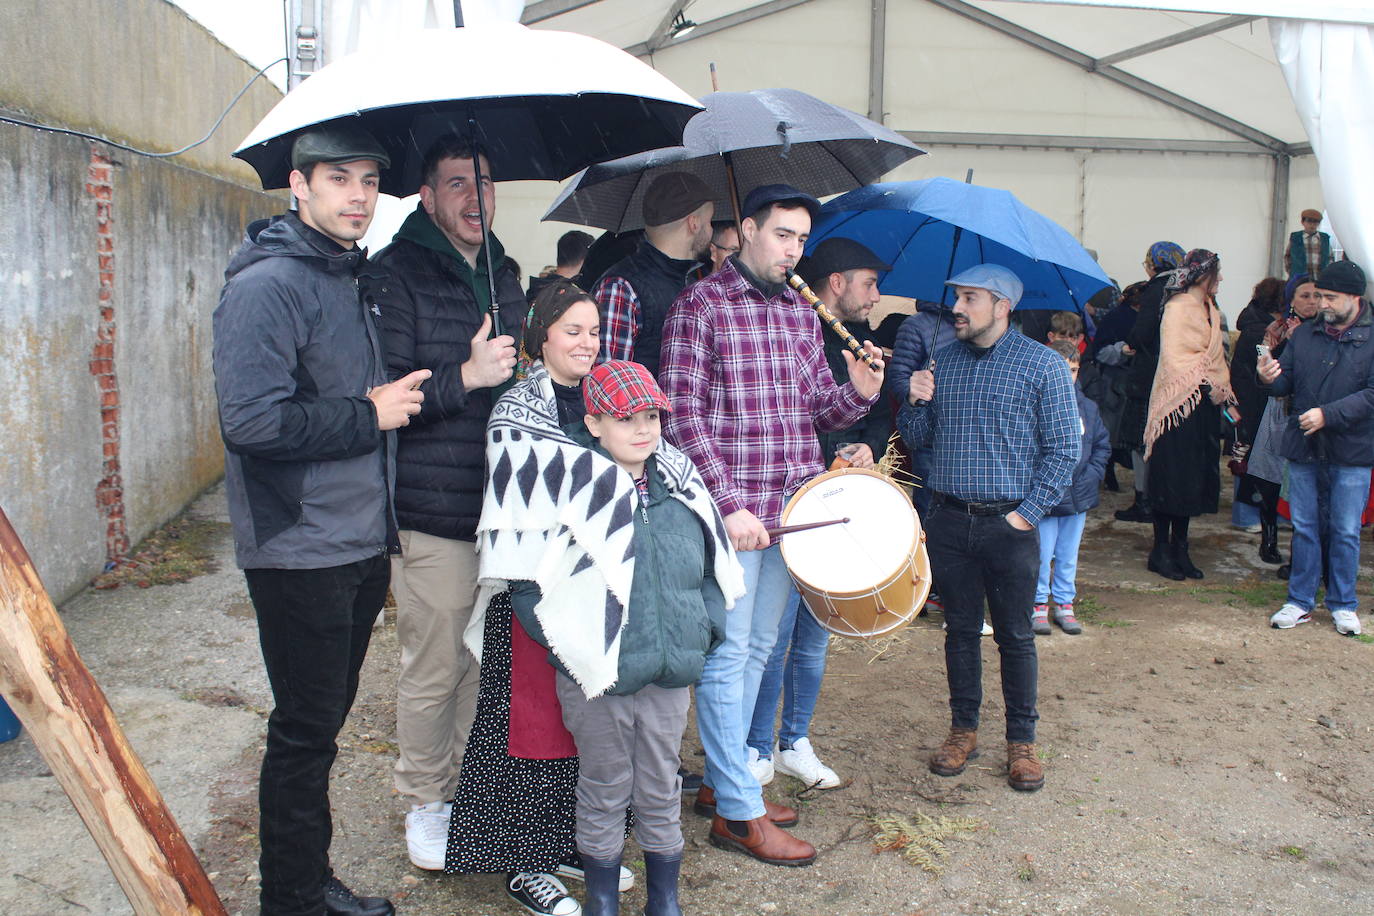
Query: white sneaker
pixel 427 834
pixel 543 895
pixel 1289 616
pixel 1347 622
pixel 761 767
pixel 801 761
pixel 571 867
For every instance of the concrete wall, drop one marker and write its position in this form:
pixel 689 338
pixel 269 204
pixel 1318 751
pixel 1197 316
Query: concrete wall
pixel 110 270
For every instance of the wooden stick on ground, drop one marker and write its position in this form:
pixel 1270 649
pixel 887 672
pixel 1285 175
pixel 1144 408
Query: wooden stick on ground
pixel 54 695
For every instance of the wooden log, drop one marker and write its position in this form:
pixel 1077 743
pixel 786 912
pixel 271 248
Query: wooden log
pixel 71 723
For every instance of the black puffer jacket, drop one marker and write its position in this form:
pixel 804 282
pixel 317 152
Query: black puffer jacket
pixel 432 305
pixel 1250 396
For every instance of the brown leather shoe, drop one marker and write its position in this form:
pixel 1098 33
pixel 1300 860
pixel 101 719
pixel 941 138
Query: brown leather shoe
pixel 780 815
pixel 959 748
pixel 765 841
pixel 1024 772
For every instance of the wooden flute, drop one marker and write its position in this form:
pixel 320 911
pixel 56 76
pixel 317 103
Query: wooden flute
pixel 829 318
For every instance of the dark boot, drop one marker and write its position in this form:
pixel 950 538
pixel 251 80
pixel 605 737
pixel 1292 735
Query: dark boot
pixel 1284 571
pixel 660 884
pixel 1269 542
pixel 603 886
pixel 1162 561
pixel 1109 479
pixel 1138 511
pixel 1183 562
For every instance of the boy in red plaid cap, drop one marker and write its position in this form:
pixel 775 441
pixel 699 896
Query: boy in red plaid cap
pixel 625 656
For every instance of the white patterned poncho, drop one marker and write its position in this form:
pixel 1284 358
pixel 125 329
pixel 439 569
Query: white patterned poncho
pixel 562 515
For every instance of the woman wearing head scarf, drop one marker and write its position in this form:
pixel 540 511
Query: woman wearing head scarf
pixel 1183 425
pixel 1264 466
pixel 1142 346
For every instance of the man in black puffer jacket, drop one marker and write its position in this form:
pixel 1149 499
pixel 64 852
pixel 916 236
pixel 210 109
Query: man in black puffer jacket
pixel 435 314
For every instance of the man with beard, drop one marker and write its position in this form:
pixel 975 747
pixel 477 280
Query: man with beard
pixel 844 275
pixel 1328 368
pixel 435 312
pixel 744 368
pixel 306 414
pixel 1001 414
pixel 635 293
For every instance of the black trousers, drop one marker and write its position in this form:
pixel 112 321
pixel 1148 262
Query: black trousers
pixel 978 560
pixel 314 626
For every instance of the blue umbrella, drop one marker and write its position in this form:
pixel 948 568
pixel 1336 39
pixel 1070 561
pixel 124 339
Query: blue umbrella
pixel 932 229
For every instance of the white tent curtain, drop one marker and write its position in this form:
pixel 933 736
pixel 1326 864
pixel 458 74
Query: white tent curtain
pixel 1329 68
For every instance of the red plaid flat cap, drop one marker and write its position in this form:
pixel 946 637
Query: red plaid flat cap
pixel 620 388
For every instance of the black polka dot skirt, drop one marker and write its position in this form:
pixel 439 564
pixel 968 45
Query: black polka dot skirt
pixel 509 813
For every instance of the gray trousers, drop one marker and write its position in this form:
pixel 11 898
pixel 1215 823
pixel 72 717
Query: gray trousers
pixel 628 749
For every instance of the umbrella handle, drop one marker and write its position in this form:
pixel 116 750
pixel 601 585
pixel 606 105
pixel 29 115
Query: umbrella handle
pixel 493 304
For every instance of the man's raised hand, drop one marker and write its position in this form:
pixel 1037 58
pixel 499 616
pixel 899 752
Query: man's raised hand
pixel 398 401
pixel 492 359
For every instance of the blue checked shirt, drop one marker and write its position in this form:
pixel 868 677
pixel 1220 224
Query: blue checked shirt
pixel 1004 426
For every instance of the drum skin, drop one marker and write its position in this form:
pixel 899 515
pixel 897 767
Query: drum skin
pixel 868 576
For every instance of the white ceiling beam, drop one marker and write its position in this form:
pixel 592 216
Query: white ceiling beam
pixel 547 9
pixel 1095 144
pixel 1115 74
pixel 1169 41
pixel 877 59
pixel 722 23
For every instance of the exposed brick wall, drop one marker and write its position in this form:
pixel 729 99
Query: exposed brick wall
pixel 109 491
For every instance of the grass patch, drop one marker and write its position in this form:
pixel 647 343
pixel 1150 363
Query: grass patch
pixel 1026 873
pixel 1089 608
pixel 177 552
pixel 1294 852
pixel 1364 638
pixel 920 839
pixel 1114 624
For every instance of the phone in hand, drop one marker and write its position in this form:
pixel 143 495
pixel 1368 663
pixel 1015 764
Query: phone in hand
pixel 1262 349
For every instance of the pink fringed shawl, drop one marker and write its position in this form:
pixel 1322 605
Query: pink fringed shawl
pixel 1190 356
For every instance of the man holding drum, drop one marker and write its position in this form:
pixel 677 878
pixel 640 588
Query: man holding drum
pixel 999 410
pixel 844 275
pixel 745 370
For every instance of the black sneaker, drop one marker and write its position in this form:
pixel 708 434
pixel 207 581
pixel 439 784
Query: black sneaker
pixel 543 895
pixel 340 901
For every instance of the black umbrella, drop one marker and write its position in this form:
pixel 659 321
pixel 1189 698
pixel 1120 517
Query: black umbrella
pixel 766 136
pixel 542 103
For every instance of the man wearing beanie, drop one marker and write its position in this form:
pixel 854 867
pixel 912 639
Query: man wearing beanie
pixel 1328 368
pixel 308 421
pixel 1308 251
pixel 635 293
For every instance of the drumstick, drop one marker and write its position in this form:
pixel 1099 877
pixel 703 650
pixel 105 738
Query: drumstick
pixel 792 529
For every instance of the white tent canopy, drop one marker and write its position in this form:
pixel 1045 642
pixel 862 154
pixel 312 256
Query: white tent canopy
pixel 1125 124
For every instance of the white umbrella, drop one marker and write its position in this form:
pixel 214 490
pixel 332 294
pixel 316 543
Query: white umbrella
pixel 542 103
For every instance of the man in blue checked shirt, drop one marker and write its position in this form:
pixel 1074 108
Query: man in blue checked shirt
pixel 999 411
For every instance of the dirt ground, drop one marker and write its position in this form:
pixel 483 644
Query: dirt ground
pixel 1197 761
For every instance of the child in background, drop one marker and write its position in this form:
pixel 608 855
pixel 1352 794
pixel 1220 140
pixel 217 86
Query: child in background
pixel 1066 326
pixel 621 601
pixel 1062 530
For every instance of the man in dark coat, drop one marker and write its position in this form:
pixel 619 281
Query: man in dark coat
pixel 1328 368
pixel 636 292
pixel 435 312
pixel 306 414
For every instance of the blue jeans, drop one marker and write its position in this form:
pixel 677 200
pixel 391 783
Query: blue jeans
pixel 1242 513
pixel 729 684
pixel 979 559
pixel 1059 540
pixel 798 681
pixel 1326 499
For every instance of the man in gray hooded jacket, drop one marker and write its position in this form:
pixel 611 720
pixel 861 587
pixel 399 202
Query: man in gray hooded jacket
pixel 306 415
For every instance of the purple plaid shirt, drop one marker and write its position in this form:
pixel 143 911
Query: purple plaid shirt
pixel 749 385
